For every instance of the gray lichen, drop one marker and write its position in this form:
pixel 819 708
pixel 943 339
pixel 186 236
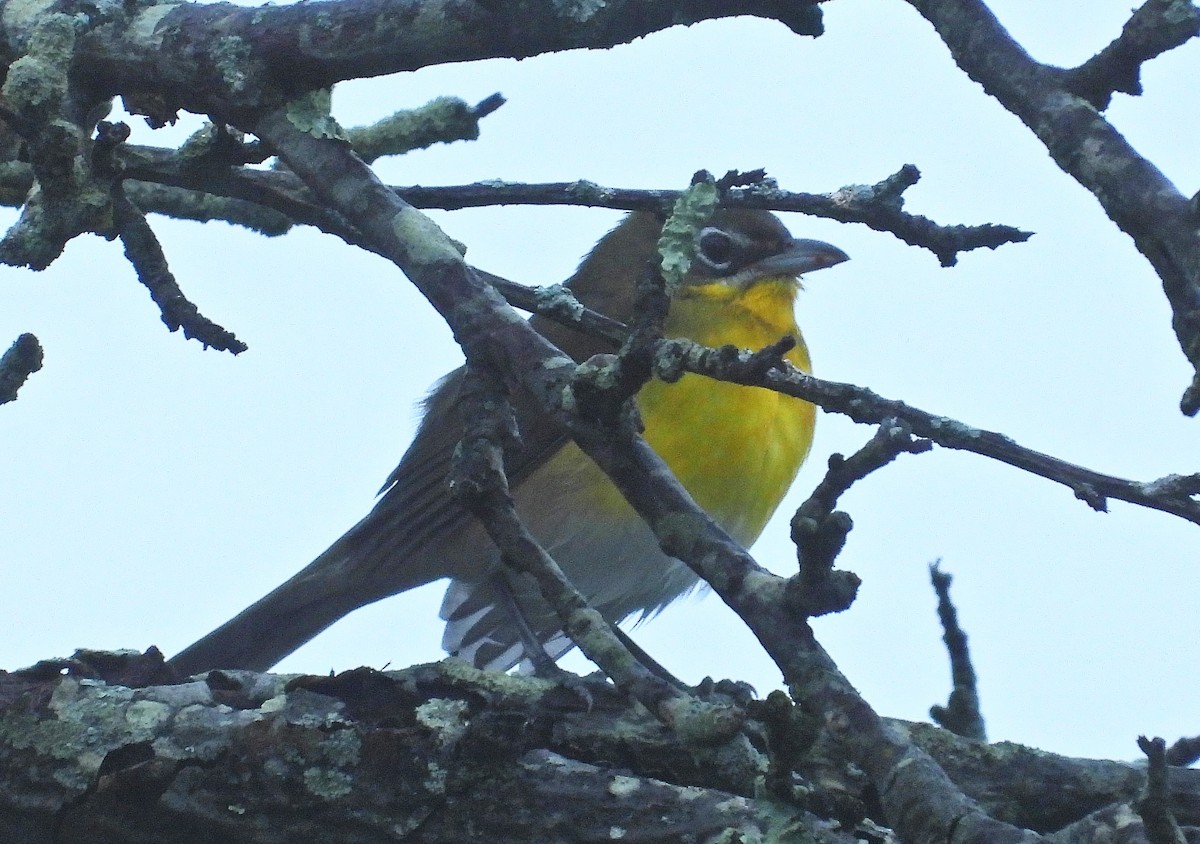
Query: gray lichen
pixel 310 113
pixel 36 84
pixel 677 245
pixel 441 120
pixel 426 243
pixel 327 783
pixel 447 718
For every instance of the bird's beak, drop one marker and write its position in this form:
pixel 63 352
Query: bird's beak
pixel 801 256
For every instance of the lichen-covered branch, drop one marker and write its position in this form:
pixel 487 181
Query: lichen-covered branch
pixel 442 120
pixel 103 746
pixel 226 60
pixel 440 753
pixel 54 119
pixel 64 67
pixel 483 324
pixel 1061 108
pixel 204 207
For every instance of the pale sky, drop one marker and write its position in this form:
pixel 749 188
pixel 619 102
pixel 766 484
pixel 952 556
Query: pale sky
pixel 151 489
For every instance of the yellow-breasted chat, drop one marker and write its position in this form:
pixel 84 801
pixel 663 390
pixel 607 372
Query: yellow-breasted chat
pixel 735 449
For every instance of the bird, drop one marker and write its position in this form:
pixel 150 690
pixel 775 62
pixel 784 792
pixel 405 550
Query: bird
pixel 736 449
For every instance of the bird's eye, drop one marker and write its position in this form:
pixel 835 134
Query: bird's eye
pixel 715 248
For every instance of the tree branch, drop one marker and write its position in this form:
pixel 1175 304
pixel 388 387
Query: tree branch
pixel 180 56
pixel 878 206
pixel 1154 805
pixel 440 121
pixel 440 753
pixel 145 254
pixel 1155 27
pixel 100 743
pixel 1184 752
pixel 1178 495
pixel 820 531
pixel 23 358
pixel 961 715
pixel 1133 192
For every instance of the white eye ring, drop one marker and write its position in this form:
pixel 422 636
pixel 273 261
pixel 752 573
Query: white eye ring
pixel 715 248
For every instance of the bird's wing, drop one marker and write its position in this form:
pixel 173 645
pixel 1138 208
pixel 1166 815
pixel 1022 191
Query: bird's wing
pixel 415 534
pixel 416 518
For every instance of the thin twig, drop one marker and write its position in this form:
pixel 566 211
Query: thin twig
pixel 559 304
pixel 146 255
pixel 23 358
pixel 961 715
pixel 878 206
pixel 820 531
pixel 1155 803
pixel 1178 495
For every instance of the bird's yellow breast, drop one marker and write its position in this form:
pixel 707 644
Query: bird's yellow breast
pixel 735 449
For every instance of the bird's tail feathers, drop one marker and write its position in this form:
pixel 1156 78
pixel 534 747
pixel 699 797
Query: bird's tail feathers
pixel 344 578
pixel 481 628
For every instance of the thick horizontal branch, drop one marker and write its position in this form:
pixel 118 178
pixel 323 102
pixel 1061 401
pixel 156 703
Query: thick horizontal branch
pixel 442 753
pixel 181 53
pixel 84 753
